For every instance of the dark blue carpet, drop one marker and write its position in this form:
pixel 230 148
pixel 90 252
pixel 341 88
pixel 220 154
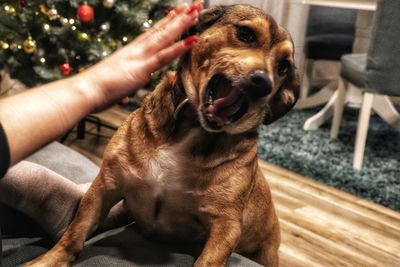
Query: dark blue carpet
pixel 314 154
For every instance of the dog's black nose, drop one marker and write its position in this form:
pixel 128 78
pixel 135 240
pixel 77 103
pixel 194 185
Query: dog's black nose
pixel 259 84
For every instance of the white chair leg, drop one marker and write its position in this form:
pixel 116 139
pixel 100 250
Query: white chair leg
pixel 339 106
pixel 319 98
pixel 306 81
pixel 384 107
pixel 362 130
pixel 322 116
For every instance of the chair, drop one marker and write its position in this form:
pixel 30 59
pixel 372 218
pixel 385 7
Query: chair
pixel 330 34
pixel 376 74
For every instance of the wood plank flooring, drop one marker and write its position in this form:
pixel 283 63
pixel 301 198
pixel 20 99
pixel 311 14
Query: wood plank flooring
pixel 320 225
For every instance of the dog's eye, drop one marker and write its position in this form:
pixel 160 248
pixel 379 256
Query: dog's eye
pixel 245 34
pixel 284 66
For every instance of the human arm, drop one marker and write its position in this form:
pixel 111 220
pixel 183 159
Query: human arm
pixel 37 116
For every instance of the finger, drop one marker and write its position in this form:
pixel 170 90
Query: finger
pixel 179 10
pixel 165 56
pixel 163 22
pixel 162 37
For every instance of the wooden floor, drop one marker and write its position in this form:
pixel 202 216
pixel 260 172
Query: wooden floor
pixel 320 226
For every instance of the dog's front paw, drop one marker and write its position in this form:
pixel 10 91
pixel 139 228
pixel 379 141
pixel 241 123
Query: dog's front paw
pixel 48 260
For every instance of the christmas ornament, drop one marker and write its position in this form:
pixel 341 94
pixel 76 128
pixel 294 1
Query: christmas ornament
pixel 105 27
pixel 42 60
pixel 65 69
pixel 52 13
pixel 9 9
pixel 125 39
pixel 147 25
pixel 29 45
pixel 108 3
pixel 85 13
pixel 83 36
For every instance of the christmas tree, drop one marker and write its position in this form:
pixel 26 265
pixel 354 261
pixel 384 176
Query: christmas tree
pixel 45 40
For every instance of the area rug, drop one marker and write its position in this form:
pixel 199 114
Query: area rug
pixel 314 154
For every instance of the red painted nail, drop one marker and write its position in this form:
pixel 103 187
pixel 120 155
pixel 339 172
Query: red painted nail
pixel 190 40
pixel 195 7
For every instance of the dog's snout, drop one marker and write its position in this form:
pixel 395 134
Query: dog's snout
pixel 259 84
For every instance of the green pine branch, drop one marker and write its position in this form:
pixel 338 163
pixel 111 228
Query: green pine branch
pixel 66 39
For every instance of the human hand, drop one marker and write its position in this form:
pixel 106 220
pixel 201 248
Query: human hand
pixel 130 68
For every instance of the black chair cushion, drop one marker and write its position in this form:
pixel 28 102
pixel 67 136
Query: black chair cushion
pixel 328 20
pixel 328 46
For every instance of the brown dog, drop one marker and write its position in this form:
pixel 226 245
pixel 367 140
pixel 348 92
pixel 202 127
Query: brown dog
pixel 185 163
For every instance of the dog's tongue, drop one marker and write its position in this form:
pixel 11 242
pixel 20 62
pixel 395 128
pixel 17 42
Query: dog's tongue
pixel 227 102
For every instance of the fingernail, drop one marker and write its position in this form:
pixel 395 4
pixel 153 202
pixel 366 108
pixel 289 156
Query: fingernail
pixel 195 7
pixel 190 40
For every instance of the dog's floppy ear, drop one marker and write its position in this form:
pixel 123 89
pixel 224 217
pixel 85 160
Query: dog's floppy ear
pixel 284 99
pixel 206 19
pixel 209 16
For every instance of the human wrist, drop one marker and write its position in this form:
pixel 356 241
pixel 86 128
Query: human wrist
pixel 86 87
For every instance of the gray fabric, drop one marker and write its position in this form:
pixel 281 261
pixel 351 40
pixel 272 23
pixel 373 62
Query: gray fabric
pixel 125 247
pixel 328 20
pixel 353 69
pixel 62 160
pixel 330 33
pixel 118 247
pixel 76 167
pixel 379 70
pixel 383 66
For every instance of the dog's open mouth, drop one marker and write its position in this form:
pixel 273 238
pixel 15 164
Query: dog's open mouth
pixel 224 103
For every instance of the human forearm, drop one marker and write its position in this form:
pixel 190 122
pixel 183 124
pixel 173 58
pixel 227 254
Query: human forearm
pixel 40 115
pixel 37 116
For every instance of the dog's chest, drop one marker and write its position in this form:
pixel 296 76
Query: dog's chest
pixel 166 201
pixel 167 171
